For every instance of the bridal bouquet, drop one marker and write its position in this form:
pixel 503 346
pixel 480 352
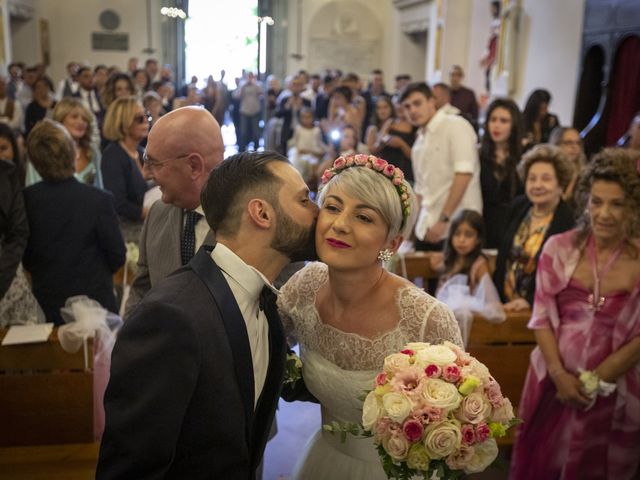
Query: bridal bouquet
pixel 434 411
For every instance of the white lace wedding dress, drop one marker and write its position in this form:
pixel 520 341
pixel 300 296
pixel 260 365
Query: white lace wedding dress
pixel 338 367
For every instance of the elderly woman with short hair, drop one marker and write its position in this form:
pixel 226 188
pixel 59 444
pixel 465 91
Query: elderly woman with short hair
pixel 581 396
pixel 126 125
pixel 531 220
pixel 75 244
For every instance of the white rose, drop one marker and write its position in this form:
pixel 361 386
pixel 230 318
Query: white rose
pixel 483 455
pixel 396 362
pixel 477 369
pixel 397 446
pixel 475 408
pixel 436 355
pixel 416 346
pixel 397 406
pixel 440 394
pixel 371 410
pixel 504 413
pixel 442 439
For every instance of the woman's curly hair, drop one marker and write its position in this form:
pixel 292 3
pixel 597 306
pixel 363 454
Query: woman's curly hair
pixel 612 165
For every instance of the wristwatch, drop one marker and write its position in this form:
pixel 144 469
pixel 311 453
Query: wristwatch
pixel 444 218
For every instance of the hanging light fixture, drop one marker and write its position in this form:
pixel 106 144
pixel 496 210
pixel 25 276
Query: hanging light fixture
pixel 173 12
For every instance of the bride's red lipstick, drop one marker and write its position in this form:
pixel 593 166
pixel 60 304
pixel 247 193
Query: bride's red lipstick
pixel 337 243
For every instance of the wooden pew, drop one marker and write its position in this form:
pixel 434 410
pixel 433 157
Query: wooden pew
pixel 505 349
pixel 415 267
pixel 46 412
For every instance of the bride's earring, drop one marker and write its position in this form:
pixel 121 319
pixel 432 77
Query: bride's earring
pixel 385 255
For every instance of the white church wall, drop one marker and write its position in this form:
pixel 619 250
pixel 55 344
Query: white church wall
pixel 71 23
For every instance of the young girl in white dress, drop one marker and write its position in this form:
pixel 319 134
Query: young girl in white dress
pixel 348 313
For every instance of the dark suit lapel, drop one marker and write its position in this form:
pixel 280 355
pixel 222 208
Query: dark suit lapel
pixel 234 324
pixel 266 408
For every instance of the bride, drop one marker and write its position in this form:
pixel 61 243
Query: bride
pixel 348 313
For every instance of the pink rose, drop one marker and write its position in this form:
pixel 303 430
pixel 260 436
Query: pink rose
pixel 433 371
pixel 339 163
pixel 451 373
pixel 468 434
pixel 350 161
pixel 326 176
pixel 382 429
pixel 475 408
pixel 379 164
pixel 396 446
pixel 413 429
pixel 482 432
pixel 407 352
pixel 397 181
pixel 494 394
pixel 388 170
pixel 381 379
pixel 360 159
pixel 463 358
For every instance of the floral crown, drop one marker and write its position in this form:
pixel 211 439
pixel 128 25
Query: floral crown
pixel 391 172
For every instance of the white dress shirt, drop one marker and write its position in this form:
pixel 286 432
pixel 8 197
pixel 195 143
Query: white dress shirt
pixel 246 283
pixel 202 227
pixel 444 147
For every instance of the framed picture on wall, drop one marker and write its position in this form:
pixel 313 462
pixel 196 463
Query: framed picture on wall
pixel 45 46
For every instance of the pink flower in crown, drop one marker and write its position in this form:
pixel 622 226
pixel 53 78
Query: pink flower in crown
pixel 451 373
pixel 326 176
pixel 482 432
pixel 388 170
pixel 397 181
pixel 381 379
pixel 407 351
pixel 360 159
pixel 350 161
pixel 379 164
pixel 339 163
pixel 413 429
pixel 397 173
pixel 433 371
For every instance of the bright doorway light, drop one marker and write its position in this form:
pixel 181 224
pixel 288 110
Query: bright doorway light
pixel 221 35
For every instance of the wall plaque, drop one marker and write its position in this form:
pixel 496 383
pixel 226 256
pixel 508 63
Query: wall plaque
pixel 110 41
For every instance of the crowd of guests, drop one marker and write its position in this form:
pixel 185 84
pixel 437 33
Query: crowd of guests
pixel 563 227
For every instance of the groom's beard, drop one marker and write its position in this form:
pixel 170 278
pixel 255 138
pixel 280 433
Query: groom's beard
pixel 293 240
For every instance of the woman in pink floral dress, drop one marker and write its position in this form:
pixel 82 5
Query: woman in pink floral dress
pixel 586 317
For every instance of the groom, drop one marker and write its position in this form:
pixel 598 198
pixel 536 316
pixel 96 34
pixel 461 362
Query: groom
pixel 197 368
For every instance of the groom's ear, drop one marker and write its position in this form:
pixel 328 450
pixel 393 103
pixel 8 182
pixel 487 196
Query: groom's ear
pixel 260 213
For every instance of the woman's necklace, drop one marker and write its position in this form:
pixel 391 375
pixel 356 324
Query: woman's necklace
pixel 595 300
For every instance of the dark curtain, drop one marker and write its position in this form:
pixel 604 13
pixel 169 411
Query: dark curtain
pixel 624 89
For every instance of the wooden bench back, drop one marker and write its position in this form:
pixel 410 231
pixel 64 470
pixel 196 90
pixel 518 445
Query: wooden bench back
pixel 505 349
pixel 46 394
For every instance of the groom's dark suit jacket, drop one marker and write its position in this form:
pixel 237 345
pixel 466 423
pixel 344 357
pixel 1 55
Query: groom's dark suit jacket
pixel 180 401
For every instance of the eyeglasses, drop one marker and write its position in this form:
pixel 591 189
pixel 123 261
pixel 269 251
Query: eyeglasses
pixel 157 164
pixel 142 118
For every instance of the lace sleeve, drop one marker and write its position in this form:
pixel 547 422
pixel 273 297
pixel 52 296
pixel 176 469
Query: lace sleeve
pixel 296 299
pixel 433 321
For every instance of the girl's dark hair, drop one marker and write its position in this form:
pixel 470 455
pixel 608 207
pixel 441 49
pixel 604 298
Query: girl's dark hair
pixel 532 107
pixel 345 92
pixel 7 133
pixel 507 171
pixel 475 221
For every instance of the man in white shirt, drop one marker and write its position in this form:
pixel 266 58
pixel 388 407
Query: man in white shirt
pixel 198 365
pixel 445 165
pixel 86 91
pixel 67 87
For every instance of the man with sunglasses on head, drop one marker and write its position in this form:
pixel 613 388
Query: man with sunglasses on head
pixel 183 147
